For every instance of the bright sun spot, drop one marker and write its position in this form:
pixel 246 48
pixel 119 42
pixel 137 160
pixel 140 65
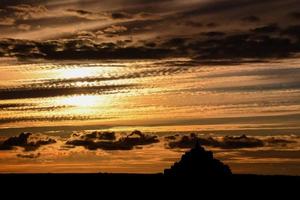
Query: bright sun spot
pixel 75 72
pixel 80 101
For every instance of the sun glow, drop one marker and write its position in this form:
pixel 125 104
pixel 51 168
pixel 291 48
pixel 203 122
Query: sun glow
pixel 80 101
pixel 76 72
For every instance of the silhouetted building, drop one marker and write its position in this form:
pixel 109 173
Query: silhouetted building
pixel 198 162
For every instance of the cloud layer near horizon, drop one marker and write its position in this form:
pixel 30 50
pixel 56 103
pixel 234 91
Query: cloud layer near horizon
pixel 94 151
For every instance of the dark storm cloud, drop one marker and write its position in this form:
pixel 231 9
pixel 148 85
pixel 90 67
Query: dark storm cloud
pixel 108 141
pixel 29 141
pixel 226 142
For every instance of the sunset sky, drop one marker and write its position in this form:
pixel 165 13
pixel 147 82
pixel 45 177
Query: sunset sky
pixel 165 67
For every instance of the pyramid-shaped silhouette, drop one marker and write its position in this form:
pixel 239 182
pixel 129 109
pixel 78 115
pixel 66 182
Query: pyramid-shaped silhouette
pixel 198 162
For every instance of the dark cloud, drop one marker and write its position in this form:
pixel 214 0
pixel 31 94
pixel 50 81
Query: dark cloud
pixel 29 156
pixel 193 23
pixel 214 34
pixel 85 14
pixel 40 92
pixel 35 108
pixel 171 68
pixel 294 15
pixel 186 142
pixel 293 31
pixel 245 46
pixel 131 31
pixel 29 141
pixel 95 135
pixel 251 19
pixel 258 87
pixel 77 49
pixel 212 25
pixel 278 141
pixel 108 141
pixel 231 142
pixel 15 14
pixel 272 28
pixel 49 118
pixel 227 142
pixel 80 12
pixel 121 15
pixel 9 106
pixel 265 154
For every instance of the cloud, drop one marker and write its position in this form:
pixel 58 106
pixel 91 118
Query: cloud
pixel 202 26
pixel 278 141
pixel 240 47
pixel 24 27
pixel 29 141
pixel 29 156
pixel 259 87
pixel 115 29
pixel 13 106
pixel 214 34
pixel 227 142
pixel 266 42
pixel 272 28
pixel 294 15
pixel 170 68
pixel 6 21
pixel 293 31
pixel 251 19
pixel 121 15
pixel 49 118
pixel 40 92
pixel 77 49
pixel 87 14
pixel 95 135
pixel 108 141
pixel 231 142
pixel 26 11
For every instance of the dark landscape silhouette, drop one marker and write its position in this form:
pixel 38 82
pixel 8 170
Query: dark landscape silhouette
pixel 198 162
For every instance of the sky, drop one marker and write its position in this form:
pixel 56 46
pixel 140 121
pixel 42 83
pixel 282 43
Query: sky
pixel 209 31
pixel 166 67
